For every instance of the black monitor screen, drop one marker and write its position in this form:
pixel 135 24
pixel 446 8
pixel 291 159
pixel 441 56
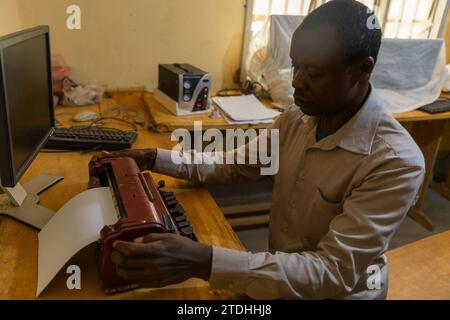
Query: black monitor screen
pixel 28 96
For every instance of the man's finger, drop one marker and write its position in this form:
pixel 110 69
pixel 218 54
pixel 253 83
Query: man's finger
pixel 152 237
pixel 117 258
pixel 130 249
pixel 131 263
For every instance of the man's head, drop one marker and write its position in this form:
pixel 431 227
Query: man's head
pixel 333 55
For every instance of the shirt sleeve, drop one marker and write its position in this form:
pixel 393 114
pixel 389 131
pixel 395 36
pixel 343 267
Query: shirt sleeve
pixel 357 236
pixel 224 167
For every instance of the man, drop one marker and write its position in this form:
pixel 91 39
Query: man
pixel 348 174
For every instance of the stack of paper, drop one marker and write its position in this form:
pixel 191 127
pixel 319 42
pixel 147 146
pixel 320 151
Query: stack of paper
pixel 244 109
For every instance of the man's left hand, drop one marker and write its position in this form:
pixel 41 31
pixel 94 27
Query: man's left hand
pixel 158 260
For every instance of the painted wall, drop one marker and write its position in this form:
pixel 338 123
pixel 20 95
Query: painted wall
pixel 121 42
pixel 9 17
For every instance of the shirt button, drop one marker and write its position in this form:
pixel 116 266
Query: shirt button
pixel 285 230
pixel 293 205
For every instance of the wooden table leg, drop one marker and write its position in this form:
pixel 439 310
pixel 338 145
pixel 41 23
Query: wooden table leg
pixel 428 136
pixel 443 187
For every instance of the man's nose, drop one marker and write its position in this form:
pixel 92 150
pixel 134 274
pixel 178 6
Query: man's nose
pixel 298 80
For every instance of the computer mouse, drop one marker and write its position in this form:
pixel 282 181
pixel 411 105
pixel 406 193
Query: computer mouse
pixel 84 116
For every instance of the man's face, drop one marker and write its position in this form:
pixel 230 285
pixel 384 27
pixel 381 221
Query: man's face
pixel 322 79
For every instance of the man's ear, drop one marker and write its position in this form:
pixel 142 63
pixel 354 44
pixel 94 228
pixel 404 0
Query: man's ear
pixel 362 69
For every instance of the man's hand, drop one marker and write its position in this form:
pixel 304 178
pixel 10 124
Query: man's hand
pixel 145 158
pixel 158 260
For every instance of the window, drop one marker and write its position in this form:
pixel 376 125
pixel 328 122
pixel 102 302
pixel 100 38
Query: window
pixel 398 18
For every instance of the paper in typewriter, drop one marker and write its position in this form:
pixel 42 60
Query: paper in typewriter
pixel 76 225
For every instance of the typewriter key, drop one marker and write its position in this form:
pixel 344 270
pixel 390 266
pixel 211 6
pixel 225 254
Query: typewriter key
pixel 177 211
pixel 187 232
pixel 166 194
pixel 180 219
pixel 169 198
pixel 183 224
pixel 172 203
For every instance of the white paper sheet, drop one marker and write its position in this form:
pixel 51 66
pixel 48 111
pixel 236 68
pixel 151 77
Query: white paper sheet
pixel 244 108
pixel 76 225
pixel 234 122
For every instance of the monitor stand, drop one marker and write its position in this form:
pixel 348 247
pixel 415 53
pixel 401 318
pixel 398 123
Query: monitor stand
pixel 22 202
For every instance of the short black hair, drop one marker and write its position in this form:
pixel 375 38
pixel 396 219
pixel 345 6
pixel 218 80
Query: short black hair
pixel 355 27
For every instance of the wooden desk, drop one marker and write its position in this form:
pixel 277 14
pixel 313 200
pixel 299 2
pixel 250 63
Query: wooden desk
pixel 19 245
pixel 428 136
pixel 164 121
pixel 421 270
pixel 426 129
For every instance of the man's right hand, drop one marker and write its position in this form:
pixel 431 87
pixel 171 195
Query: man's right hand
pixel 145 158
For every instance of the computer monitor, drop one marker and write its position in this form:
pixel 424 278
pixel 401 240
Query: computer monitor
pixel 26 119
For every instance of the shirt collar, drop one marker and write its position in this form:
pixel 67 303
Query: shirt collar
pixel 358 134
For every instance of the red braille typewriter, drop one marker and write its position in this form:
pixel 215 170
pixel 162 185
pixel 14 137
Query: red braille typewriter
pixel 143 208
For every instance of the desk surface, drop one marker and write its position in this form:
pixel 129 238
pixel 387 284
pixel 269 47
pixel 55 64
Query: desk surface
pixel 19 245
pixel 421 270
pixel 164 121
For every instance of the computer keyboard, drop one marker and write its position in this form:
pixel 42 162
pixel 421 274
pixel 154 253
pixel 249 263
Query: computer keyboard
pixel 437 106
pixel 90 139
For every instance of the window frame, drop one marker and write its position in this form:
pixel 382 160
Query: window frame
pixel 437 31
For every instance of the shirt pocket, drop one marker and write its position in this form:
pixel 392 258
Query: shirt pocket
pixel 319 217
